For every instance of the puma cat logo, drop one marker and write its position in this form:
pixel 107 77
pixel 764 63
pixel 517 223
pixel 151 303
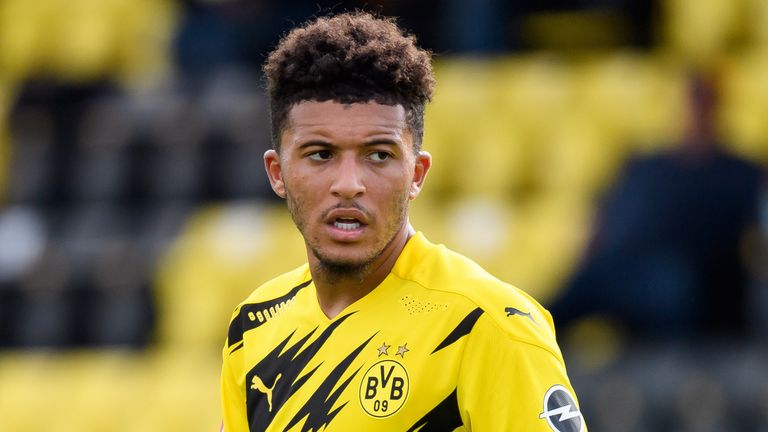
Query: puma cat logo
pixel 512 311
pixel 257 384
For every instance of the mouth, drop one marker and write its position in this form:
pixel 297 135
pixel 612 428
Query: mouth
pixel 346 218
pixel 347 224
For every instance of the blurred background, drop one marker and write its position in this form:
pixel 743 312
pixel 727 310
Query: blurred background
pixel 607 156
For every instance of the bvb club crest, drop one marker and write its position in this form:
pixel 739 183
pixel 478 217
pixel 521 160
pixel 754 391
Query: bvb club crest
pixel 384 388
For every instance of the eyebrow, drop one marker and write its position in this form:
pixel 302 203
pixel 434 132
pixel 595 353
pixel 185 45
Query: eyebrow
pixel 315 143
pixel 382 141
pixel 328 144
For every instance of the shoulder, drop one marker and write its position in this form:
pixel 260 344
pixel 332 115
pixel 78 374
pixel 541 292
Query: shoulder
pixel 265 302
pixel 514 313
pixel 279 286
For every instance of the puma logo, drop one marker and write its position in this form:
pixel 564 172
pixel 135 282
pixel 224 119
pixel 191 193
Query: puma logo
pixel 257 384
pixel 512 311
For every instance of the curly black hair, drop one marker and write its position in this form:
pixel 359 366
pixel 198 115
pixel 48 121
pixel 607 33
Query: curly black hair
pixel 354 57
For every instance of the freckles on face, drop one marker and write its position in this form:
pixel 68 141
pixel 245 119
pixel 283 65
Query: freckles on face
pixel 347 171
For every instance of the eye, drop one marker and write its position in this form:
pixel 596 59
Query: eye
pixel 320 155
pixel 380 156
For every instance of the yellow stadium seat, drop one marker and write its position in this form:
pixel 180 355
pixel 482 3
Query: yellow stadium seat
pixel 635 99
pixel 532 245
pixel 757 17
pixel 535 89
pixel 183 393
pixel 115 391
pixel 453 119
pixel 152 22
pixel 481 228
pixel 30 385
pixel 745 106
pixel 579 158
pixel 84 40
pixel 698 31
pixel 81 40
pixel 22 40
pixel 427 215
pixel 550 234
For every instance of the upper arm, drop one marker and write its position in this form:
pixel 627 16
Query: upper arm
pixel 504 382
pixel 233 406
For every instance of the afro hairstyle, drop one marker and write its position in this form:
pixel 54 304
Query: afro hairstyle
pixel 353 57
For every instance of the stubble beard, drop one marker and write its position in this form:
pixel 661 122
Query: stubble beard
pixel 334 270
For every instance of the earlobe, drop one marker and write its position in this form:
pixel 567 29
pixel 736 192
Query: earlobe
pixel 414 192
pixel 421 168
pixel 274 172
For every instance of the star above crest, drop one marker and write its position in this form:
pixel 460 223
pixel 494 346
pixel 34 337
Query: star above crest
pixel 402 349
pixel 383 349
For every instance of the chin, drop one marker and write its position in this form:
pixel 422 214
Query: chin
pixel 333 261
pixel 356 260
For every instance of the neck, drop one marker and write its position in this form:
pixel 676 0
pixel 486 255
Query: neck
pixel 338 289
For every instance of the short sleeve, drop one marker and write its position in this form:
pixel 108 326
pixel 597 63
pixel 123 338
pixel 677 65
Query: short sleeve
pixel 509 384
pixel 233 406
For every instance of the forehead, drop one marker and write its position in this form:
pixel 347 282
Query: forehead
pixel 346 120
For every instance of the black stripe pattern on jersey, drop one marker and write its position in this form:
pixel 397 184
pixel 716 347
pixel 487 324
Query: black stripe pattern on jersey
pixel 318 407
pixel 464 327
pixel 243 322
pixel 275 378
pixel 444 417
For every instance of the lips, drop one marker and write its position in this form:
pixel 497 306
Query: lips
pixel 345 218
pixel 347 224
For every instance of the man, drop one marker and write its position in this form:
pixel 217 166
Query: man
pixel 380 330
pixel 668 261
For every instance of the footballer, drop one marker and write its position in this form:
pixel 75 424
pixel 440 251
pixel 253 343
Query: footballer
pixel 380 330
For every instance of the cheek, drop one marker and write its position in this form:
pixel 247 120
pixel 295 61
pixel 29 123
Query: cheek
pixel 393 189
pixel 302 184
pixel 305 195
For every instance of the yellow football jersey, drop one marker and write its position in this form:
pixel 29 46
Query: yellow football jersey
pixel 439 345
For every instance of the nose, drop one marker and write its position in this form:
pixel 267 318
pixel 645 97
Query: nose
pixel 348 179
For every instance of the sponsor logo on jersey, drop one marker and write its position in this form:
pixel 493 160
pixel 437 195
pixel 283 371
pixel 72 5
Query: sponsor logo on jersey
pixel 512 311
pixel 268 313
pixel 384 388
pixel 560 410
pixel 257 384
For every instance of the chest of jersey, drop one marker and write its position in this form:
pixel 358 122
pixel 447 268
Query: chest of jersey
pixel 387 363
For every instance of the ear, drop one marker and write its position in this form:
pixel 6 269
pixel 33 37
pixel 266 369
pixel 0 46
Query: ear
pixel 422 165
pixel 274 172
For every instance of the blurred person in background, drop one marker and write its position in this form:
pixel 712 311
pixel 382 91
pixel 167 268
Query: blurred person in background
pixel 380 329
pixel 667 259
